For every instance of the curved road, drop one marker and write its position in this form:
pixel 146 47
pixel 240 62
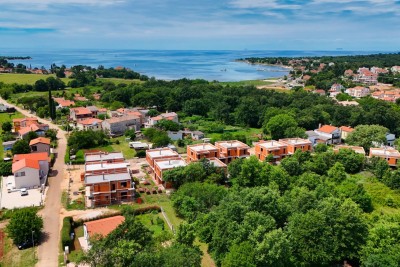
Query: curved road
pixel 48 250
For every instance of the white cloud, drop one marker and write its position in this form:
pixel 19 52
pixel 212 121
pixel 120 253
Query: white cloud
pixel 273 4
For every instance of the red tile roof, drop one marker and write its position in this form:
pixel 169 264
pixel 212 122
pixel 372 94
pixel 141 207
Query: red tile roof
pixel 63 102
pixel 42 140
pixel 346 129
pixel 327 129
pixel 33 156
pixel 25 163
pixel 81 111
pixel 104 226
pixel 31 128
pixel 25 119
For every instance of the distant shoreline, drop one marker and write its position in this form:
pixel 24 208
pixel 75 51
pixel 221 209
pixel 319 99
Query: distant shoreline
pixel 15 58
pixel 265 64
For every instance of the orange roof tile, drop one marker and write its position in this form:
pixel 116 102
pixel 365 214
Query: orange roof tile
pixel 42 140
pixel 346 129
pixel 35 156
pixel 81 111
pixel 104 226
pixel 25 163
pixel 25 119
pixel 31 128
pixel 327 129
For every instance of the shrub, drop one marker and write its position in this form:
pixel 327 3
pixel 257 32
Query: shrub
pixel 67 158
pixel 66 232
pixel 141 153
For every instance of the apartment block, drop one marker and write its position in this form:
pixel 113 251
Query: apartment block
pixel 231 150
pixel 200 151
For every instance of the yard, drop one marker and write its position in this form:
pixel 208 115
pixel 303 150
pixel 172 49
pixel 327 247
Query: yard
pixel 17 258
pixel 119 144
pixel 3 118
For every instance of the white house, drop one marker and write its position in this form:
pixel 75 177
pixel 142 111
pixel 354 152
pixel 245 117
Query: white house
pixel 89 124
pixel 332 133
pixel 26 173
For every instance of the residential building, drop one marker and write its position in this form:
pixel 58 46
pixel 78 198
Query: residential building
pixel 40 144
pixel 179 135
pixel 106 189
pixel 78 97
pixel 23 122
pixel 389 154
pixel 200 151
pixel 345 131
pixel 231 150
pixel 90 124
pixel 218 164
pixel 390 138
pixel 172 116
pixel 63 103
pixel 101 227
pixel 118 125
pixel 30 169
pixel 329 133
pixel 26 173
pixel 395 69
pixel 348 73
pixel 357 149
pixel 160 153
pixel 80 113
pixel 294 144
pixel 94 110
pixel 162 165
pixel 348 103
pixel 104 157
pixel 264 149
pixel 358 91
pixel 39 129
pixel 106 168
pixel 378 71
pixel 366 76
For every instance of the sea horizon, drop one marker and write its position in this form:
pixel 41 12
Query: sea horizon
pixel 219 65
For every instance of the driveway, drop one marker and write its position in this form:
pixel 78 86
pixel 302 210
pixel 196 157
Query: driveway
pixel 48 249
pixel 15 200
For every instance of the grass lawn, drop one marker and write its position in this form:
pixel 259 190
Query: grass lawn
pixel 150 221
pixel 26 78
pixel 206 261
pixel 18 258
pixel 123 147
pixel 3 118
pixel 15 97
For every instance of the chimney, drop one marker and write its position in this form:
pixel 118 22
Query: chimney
pixel 319 125
pixel 160 152
pixel 169 162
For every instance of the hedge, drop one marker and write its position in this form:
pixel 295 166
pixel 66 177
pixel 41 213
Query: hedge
pixel 66 232
pixel 67 158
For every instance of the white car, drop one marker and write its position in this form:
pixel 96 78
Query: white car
pixel 24 192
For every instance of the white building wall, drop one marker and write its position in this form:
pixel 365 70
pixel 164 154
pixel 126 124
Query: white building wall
pixel 31 178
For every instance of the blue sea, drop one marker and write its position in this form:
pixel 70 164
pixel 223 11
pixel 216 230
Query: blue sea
pixel 210 65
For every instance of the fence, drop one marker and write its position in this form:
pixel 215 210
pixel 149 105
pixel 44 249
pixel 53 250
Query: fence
pixel 167 220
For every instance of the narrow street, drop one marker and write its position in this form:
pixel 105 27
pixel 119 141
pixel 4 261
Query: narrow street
pixel 48 249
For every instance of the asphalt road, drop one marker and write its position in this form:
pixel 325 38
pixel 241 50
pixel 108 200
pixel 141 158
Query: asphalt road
pixel 48 249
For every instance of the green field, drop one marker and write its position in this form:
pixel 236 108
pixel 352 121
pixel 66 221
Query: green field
pixel 119 80
pixel 3 118
pixel 26 78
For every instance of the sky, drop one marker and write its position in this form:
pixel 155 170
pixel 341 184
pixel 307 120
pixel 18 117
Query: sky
pixel 359 25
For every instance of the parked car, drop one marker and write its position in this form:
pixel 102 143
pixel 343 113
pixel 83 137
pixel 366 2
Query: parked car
pixel 24 245
pixel 24 192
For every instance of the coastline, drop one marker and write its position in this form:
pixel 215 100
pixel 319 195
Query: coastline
pixel 264 64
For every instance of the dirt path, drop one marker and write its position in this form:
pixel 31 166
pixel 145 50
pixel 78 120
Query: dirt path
pixel 49 248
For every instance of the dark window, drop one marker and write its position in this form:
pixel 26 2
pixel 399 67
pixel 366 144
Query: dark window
pixel 113 187
pixel 123 184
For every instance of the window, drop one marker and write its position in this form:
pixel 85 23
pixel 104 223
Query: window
pixel 19 174
pixel 124 184
pixel 113 187
pixel 34 148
